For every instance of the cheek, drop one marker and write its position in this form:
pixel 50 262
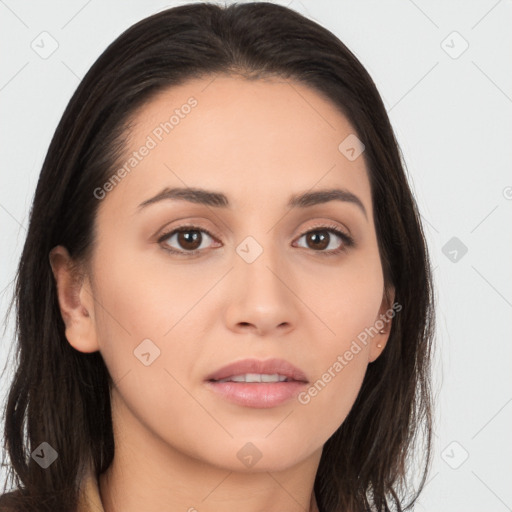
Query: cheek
pixel 350 307
pixel 348 298
pixel 338 372
pixel 147 342
pixel 136 302
pixel 329 398
pixel 147 295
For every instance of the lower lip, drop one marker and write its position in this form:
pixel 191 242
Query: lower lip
pixel 258 395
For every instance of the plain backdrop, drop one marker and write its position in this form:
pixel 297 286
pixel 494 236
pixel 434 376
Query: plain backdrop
pixel 443 70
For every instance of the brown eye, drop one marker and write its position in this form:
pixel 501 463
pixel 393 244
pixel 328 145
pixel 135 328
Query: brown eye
pixel 186 239
pixel 322 238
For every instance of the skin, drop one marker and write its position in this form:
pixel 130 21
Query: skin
pixel 258 142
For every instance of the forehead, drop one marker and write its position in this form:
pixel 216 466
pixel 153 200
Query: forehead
pixel 255 140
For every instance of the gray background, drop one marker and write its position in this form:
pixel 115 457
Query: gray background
pixel 450 107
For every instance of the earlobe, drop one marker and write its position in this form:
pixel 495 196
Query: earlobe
pixel 383 324
pixel 75 306
pixel 378 345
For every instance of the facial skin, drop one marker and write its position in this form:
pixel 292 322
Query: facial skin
pixel 257 142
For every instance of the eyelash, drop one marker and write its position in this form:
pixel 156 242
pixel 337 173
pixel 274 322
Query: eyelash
pixel 347 240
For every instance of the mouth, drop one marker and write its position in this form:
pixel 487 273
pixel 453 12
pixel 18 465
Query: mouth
pixel 254 370
pixel 257 384
pixel 256 377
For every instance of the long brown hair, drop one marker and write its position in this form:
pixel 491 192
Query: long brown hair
pixel 61 396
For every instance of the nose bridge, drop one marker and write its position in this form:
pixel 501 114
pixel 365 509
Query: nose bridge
pixel 260 263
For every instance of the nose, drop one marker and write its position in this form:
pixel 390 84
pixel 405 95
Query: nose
pixel 261 298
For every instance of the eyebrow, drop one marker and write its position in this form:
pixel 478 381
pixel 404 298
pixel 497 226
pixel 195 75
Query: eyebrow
pixel 219 200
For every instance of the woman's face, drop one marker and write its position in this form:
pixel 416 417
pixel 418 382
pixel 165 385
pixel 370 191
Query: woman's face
pixel 258 286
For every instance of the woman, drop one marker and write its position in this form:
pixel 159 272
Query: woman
pixel 224 301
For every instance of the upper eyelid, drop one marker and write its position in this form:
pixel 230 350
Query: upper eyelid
pixel 210 232
pixel 167 233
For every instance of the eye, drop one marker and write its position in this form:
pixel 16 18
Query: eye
pixel 188 238
pixel 320 238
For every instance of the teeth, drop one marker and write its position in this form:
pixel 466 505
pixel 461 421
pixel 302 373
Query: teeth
pixel 255 377
pixel 272 378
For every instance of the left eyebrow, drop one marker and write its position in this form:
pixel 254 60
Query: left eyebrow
pixel 219 200
pixel 324 196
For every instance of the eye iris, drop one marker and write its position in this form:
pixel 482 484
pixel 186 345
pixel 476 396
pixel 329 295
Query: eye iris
pixel 185 239
pixel 315 237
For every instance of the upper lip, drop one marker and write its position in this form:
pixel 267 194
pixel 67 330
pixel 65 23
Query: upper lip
pixel 269 366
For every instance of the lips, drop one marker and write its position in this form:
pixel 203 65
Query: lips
pixel 256 367
pixel 257 384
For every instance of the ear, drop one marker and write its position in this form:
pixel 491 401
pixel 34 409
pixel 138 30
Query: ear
pixel 75 301
pixel 383 323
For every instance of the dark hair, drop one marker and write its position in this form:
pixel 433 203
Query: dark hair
pixel 61 396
